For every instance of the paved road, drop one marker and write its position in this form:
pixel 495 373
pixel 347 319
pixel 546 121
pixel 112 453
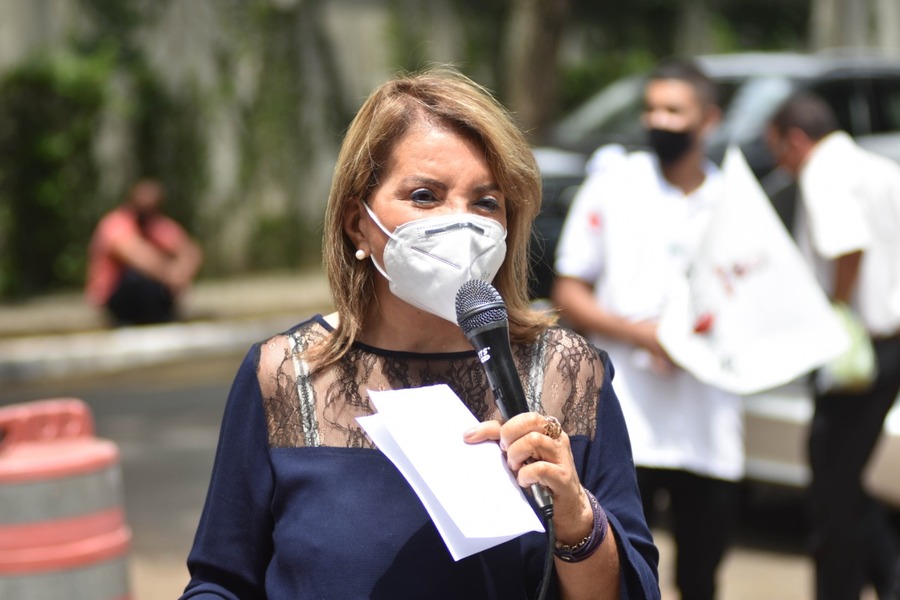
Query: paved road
pixel 165 420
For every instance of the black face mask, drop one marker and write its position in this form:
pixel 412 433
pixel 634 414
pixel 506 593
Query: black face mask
pixel 669 146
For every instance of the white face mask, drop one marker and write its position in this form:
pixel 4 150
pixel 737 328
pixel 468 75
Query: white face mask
pixel 427 260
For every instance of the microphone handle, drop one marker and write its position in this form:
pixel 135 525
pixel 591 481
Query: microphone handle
pixel 495 353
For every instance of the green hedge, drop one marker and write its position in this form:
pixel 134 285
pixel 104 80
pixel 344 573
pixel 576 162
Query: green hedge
pixel 50 111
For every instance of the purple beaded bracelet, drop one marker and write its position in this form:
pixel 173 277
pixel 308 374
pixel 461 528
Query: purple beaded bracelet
pixel 589 544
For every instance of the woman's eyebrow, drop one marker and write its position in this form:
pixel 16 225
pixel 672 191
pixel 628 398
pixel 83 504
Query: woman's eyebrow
pixel 424 181
pixel 414 180
pixel 487 187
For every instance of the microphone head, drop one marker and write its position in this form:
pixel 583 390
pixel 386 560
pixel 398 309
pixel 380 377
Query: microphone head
pixel 478 305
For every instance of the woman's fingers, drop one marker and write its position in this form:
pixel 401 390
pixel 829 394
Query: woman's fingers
pixel 537 451
pixel 524 437
pixel 519 426
pixel 550 475
pixel 488 430
pixel 535 446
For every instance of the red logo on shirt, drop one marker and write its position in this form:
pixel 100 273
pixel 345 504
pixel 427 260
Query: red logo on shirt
pixel 594 220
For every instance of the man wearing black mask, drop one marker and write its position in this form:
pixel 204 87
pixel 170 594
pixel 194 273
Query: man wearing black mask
pixel 631 235
pixel 679 111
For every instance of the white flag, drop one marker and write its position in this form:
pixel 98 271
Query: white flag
pixel 750 315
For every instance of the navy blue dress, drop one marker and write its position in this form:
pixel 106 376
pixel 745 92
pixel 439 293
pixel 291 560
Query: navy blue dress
pixel 301 505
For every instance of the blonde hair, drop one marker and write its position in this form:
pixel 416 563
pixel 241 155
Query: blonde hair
pixel 448 98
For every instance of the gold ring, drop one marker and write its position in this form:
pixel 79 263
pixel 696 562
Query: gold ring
pixel 552 428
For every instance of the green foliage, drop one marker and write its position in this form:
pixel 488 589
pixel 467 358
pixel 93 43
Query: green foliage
pixel 483 23
pixel 408 39
pixel 169 145
pixel 273 144
pixel 582 80
pixel 278 137
pixel 50 110
pixel 764 24
pixel 288 241
pixel 622 38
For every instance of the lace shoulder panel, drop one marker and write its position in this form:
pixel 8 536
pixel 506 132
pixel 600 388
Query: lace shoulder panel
pixel 573 376
pixel 564 372
pixel 277 375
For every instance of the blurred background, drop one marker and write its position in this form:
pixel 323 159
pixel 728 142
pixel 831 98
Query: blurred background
pixel 239 106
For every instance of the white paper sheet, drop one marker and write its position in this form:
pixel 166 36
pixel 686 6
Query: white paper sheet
pixel 467 489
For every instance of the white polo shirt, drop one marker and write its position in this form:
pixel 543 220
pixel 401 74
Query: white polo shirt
pixel 631 234
pixel 850 202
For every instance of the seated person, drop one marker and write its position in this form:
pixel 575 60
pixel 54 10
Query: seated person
pixel 139 260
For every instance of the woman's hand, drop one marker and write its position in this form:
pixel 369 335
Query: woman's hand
pixel 535 457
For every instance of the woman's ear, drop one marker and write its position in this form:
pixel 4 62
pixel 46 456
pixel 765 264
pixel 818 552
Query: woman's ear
pixel 354 225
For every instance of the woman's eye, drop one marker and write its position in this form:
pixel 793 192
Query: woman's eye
pixel 422 195
pixel 489 203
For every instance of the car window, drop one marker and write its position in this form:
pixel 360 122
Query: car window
pixel 749 111
pixel 611 115
pixel 725 90
pixel 848 99
pixel 886 100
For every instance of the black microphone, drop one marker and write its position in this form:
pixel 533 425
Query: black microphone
pixel 481 314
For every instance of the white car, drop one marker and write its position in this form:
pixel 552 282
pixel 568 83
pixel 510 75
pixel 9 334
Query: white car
pixel 776 427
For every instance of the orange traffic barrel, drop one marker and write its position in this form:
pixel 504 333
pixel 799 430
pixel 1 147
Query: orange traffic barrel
pixel 63 532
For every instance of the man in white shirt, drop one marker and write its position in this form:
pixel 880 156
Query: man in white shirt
pixel 848 226
pixel 632 231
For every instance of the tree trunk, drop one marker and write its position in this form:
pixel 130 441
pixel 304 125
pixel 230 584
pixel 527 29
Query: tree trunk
pixel 532 43
pixel 840 23
pixel 888 19
pixel 693 35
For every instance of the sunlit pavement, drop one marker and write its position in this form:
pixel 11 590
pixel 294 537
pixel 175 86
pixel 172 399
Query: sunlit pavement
pixel 747 574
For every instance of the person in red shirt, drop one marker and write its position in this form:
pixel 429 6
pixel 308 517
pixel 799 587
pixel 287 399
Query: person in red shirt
pixel 139 260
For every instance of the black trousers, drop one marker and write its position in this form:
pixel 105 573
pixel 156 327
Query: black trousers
pixel 139 300
pixel 852 540
pixel 704 514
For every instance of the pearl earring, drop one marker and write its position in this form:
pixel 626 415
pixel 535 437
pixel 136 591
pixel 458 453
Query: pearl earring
pixel 360 254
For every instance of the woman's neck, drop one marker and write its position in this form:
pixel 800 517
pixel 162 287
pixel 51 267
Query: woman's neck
pixel 395 325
